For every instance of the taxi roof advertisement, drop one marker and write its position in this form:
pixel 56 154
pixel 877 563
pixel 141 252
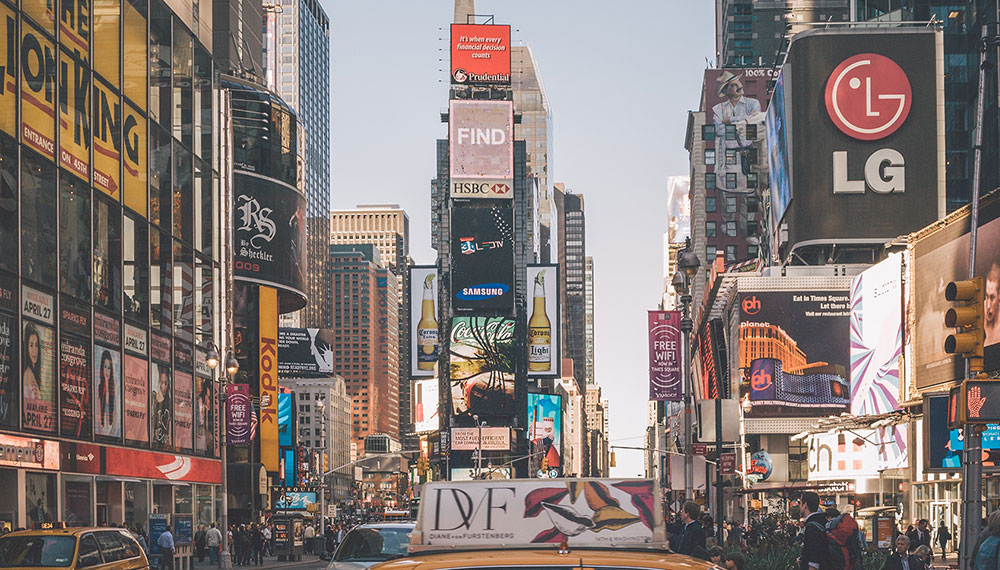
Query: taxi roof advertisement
pixel 480 54
pixel 583 512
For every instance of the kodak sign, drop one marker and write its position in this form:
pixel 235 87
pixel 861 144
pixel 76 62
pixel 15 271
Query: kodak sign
pixel 268 371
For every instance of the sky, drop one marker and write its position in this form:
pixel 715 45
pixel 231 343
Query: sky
pixel 620 78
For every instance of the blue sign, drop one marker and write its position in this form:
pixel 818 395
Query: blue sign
pixel 183 529
pixel 294 500
pixel 285 420
pixel 483 291
pixel 157 526
pixel 761 465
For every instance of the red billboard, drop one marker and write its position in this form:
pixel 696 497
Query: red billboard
pixel 480 54
pixel 665 355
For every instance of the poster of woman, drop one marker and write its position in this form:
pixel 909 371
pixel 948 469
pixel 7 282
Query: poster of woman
pixel 10 394
pixel 38 377
pixel 107 392
pixel 160 406
pixel 204 420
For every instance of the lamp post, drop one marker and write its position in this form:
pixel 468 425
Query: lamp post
pixel 687 267
pixel 479 445
pixel 232 367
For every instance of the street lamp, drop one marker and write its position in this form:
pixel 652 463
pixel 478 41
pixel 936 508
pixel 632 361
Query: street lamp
pixel 479 445
pixel 687 267
pixel 232 367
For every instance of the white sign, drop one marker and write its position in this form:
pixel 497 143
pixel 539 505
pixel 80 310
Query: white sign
pixel 845 455
pixel 480 188
pixel 425 405
pixel 494 439
pixel 481 139
pixel 513 512
pixel 37 305
pixel 135 339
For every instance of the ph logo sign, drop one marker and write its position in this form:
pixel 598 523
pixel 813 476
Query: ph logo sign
pixel 868 98
pixel 751 305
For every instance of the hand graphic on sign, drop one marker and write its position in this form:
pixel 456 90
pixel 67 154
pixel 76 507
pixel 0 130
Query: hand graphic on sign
pixel 976 401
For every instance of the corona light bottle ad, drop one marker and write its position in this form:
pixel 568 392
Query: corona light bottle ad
pixel 427 328
pixel 539 331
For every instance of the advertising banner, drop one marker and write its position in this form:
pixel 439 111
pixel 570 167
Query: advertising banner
pixel 38 91
pixel 38 376
pixel 305 351
pixel 270 232
pixel 843 455
pixel 467 439
pixel 863 123
pixel 295 500
pixel 134 159
pixel 664 355
pixel 74 317
pixel 736 99
pixel 424 343
pixel 543 321
pixel 107 330
pixel 779 153
pixel 944 446
pixel 183 411
pixel 714 364
pixel 8 73
pixel 805 336
pixel 74 112
pixel 268 370
pixel 74 25
pixel 204 415
pixel 125 462
pixel 37 305
pixel 10 392
pixel 876 348
pixel 482 249
pixel 285 415
pixel 238 410
pixel 425 405
pixel 481 139
pixel 107 392
pixel 135 55
pixel 545 434
pixel 28 452
pixel 938 259
pixel 482 357
pixel 136 399
pixel 473 188
pixel 161 404
pixel 74 393
pixel 480 54
pixel 107 139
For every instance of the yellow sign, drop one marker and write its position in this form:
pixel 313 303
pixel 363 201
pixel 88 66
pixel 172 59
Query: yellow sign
pixel 135 77
pixel 38 91
pixel 74 115
pixel 74 24
pixel 268 372
pixel 107 50
pixel 134 159
pixel 8 72
pixel 43 12
pixel 107 140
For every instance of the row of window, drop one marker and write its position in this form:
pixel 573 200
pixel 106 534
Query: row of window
pixel 708 132
pixel 732 156
pixel 732 253
pixel 730 180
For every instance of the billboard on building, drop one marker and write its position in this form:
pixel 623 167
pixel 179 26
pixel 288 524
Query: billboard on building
pixel 305 351
pixel 482 356
pixel 480 54
pixel 843 455
pixel 238 410
pixel 74 108
pixel 713 363
pixel 10 393
pixel 161 405
pixel 74 388
pixel 482 248
pixel 863 120
pixel 473 188
pixel 736 100
pixel 183 410
pixel 425 405
pixel 38 364
pixel 799 342
pixel 481 139
pixel 8 73
pixel 940 257
pixel 136 406
pixel 134 193
pixel 876 348
pixel 678 208
pixel 204 415
pixel 285 414
pixel 107 392
pixel 543 321
pixel 944 447
pixel 545 434
pixel 424 343
pixel 493 438
pixel 38 91
pixel 665 374
pixel 107 140
pixel 779 153
pixel 268 370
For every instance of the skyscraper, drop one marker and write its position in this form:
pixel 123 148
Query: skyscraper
pixel 572 273
pixel 366 338
pixel 588 310
pixel 297 67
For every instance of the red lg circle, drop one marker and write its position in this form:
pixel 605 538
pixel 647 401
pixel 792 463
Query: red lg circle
pixel 868 96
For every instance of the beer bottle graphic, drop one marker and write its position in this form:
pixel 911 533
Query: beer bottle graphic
pixel 539 331
pixel 427 328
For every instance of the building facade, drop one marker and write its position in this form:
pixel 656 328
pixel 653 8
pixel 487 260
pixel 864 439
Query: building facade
pixel 572 274
pixel 588 311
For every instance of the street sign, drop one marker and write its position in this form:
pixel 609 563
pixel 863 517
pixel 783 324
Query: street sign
pixel 728 463
pixel 700 449
pixel 974 402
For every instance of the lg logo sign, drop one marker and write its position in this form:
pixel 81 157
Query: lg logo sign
pixel 868 98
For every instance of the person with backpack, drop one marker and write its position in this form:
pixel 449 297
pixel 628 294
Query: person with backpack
pixel 814 542
pixel 901 559
pixel 845 536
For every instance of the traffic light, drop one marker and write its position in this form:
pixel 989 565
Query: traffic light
pixel 613 463
pixel 326 462
pixel 968 317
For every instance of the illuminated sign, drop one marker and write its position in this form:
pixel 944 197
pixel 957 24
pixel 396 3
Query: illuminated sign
pixel 480 54
pixel 28 452
pixel 467 439
pixel 481 140
pixel 868 96
pixel 268 362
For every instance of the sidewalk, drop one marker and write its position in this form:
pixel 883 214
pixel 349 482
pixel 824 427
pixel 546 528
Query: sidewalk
pixel 270 562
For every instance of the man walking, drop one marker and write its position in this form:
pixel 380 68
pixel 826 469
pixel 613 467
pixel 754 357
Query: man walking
pixel 213 540
pixel 814 535
pixel 166 544
pixel 692 540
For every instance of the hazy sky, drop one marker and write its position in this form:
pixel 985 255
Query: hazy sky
pixel 620 78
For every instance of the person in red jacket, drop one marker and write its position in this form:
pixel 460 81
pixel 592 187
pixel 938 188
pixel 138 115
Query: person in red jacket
pixel 841 527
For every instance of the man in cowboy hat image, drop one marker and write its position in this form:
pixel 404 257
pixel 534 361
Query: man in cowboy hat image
pixel 736 107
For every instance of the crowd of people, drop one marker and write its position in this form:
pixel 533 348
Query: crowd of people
pixel 250 543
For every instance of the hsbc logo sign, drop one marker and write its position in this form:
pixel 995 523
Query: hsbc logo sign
pixel 482 189
pixel 868 98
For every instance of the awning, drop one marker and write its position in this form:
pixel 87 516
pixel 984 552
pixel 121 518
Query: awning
pixel 120 479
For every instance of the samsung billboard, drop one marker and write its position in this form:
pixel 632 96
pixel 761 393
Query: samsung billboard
pixel 864 114
pixel 482 253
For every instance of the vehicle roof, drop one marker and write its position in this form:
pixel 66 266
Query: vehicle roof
pixel 548 557
pixel 398 524
pixel 68 531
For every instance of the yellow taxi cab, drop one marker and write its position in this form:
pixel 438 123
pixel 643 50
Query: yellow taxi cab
pixel 541 524
pixel 58 546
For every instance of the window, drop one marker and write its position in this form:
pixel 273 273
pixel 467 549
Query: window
pixel 183 209
pixel 131 546
pixel 731 132
pixel 743 9
pixel 742 27
pixel 111 546
pixel 743 43
pixel 136 271
pixel 159 63
pixel 752 132
pixel 74 238
pixel 88 554
pixel 798 464
pixel 25 551
pixel 8 197
pixel 731 204
pixel 751 156
pixel 752 251
pixel 183 108
pixel 751 201
pixel 160 193
pixel 730 181
pixel 38 219
pixel 709 229
pixel 730 229
pixel 730 156
pixel 183 291
pixel 107 255
pixel 708 132
pixel 160 278
pixel 730 254
pixel 751 180
pixel 710 204
pixel 709 156
pixel 710 255
pixel 709 181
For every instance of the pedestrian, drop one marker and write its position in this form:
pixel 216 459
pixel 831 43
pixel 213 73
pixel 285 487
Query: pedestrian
pixel 736 535
pixel 267 539
pixel 166 544
pixel 243 545
pixel 256 545
pixel 989 550
pixel 716 555
pixel 213 542
pixel 814 538
pixel 923 552
pixel 199 543
pixel 901 559
pixel 735 561
pixel 140 537
pixel 943 536
pixel 692 540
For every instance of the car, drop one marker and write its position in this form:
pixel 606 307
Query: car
pixel 72 548
pixel 369 544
